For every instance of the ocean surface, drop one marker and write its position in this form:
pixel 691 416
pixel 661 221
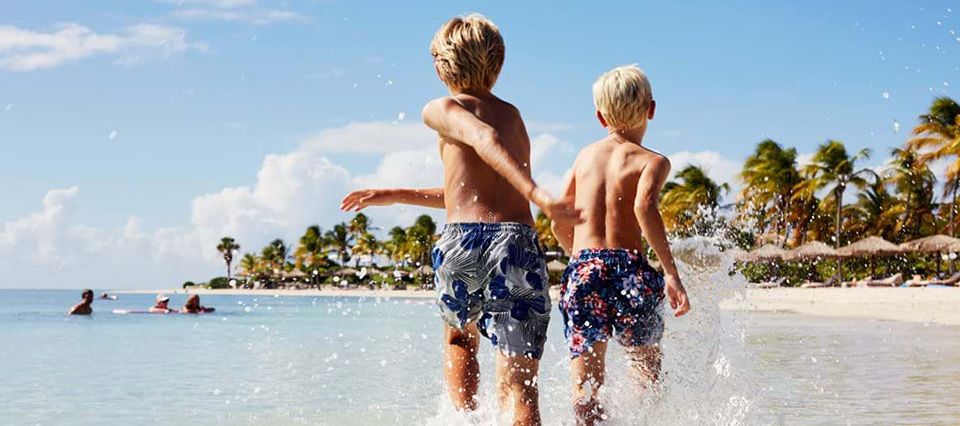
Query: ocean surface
pixel 311 360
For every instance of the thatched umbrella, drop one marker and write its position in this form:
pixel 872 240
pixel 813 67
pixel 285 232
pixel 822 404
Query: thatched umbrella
pixel 811 250
pixel 766 252
pixel 347 271
pixel 296 273
pixel 870 247
pixel 556 266
pixel 933 244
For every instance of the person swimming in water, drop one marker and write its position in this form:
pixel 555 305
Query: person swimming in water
pixel 162 305
pixel 193 306
pixel 84 307
pixel 106 296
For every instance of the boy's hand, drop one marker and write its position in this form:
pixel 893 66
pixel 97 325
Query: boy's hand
pixel 557 209
pixel 360 199
pixel 677 295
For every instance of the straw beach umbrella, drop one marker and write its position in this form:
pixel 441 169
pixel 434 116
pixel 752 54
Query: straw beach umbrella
pixel 811 250
pixel 870 247
pixel 933 244
pixel 766 252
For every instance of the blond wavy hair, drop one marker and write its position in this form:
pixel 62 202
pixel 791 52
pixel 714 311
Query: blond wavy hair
pixel 623 96
pixel 468 53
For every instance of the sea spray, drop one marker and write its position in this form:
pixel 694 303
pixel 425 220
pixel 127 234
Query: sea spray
pixel 708 376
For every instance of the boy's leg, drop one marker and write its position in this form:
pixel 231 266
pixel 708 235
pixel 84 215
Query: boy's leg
pixel 645 364
pixel 461 368
pixel 517 383
pixel 588 374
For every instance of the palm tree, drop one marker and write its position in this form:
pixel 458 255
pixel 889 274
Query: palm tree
pixel 339 239
pixel 542 225
pixel 938 135
pixel 311 248
pixel 227 247
pixel 769 175
pixel 877 212
pixel 397 244
pixel 249 263
pixel 366 244
pixel 831 165
pixel 688 201
pixel 420 238
pixel 915 185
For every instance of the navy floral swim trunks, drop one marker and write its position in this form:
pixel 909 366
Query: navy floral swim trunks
pixel 610 292
pixel 494 274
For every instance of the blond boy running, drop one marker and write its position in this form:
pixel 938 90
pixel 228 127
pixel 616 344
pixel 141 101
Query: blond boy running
pixel 609 289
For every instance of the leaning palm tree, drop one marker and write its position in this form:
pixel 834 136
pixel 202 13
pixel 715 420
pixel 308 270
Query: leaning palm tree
pixel 832 166
pixel 367 244
pixel 690 199
pixel 938 137
pixel 769 175
pixel 877 212
pixel 249 263
pixel 227 247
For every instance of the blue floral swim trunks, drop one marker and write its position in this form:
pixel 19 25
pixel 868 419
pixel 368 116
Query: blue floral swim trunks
pixel 610 292
pixel 494 274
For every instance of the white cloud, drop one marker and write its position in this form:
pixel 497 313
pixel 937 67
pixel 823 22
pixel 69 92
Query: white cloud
pixel 292 190
pixel 230 10
pixel 373 138
pixel 215 3
pixel 27 50
pixel 250 16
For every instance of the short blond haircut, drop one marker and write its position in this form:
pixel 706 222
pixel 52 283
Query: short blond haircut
pixel 468 53
pixel 623 97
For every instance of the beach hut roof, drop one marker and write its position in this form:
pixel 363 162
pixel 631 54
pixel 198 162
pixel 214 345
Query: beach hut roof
pixel 296 273
pixel 933 243
pixel 347 271
pixel 556 265
pixel 811 250
pixel 870 246
pixel 765 252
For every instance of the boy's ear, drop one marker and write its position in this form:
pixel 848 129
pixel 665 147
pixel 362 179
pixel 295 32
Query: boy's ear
pixel 600 118
pixel 652 111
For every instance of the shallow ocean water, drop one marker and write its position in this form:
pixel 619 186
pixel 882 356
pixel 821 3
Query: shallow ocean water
pixel 306 360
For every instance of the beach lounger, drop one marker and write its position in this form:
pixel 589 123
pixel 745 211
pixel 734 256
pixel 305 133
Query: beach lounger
pixel 891 281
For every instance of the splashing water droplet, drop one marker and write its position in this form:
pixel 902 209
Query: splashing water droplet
pixel 401 116
pixel 9 107
pixel 113 135
pixel 885 95
pixel 896 126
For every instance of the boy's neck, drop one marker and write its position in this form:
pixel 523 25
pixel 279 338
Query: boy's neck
pixel 634 136
pixel 478 93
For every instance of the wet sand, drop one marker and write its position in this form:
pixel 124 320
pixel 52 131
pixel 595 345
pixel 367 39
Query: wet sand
pixel 922 305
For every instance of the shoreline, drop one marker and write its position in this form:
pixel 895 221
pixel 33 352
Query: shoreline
pixel 918 305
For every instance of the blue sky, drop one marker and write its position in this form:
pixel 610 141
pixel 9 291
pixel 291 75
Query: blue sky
pixel 155 118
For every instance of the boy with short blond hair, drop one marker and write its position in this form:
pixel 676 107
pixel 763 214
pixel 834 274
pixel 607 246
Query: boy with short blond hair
pixel 609 289
pixel 490 273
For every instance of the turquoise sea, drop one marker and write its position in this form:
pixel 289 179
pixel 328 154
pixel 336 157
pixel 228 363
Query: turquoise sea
pixel 315 360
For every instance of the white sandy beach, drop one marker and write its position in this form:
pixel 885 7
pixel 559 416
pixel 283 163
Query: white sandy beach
pixel 923 305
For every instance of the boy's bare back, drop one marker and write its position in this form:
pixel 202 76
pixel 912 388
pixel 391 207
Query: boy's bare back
pixel 473 190
pixel 614 181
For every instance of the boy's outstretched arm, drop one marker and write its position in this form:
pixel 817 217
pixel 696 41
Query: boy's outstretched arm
pixel 563 231
pixel 362 198
pixel 647 210
pixel 449 118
